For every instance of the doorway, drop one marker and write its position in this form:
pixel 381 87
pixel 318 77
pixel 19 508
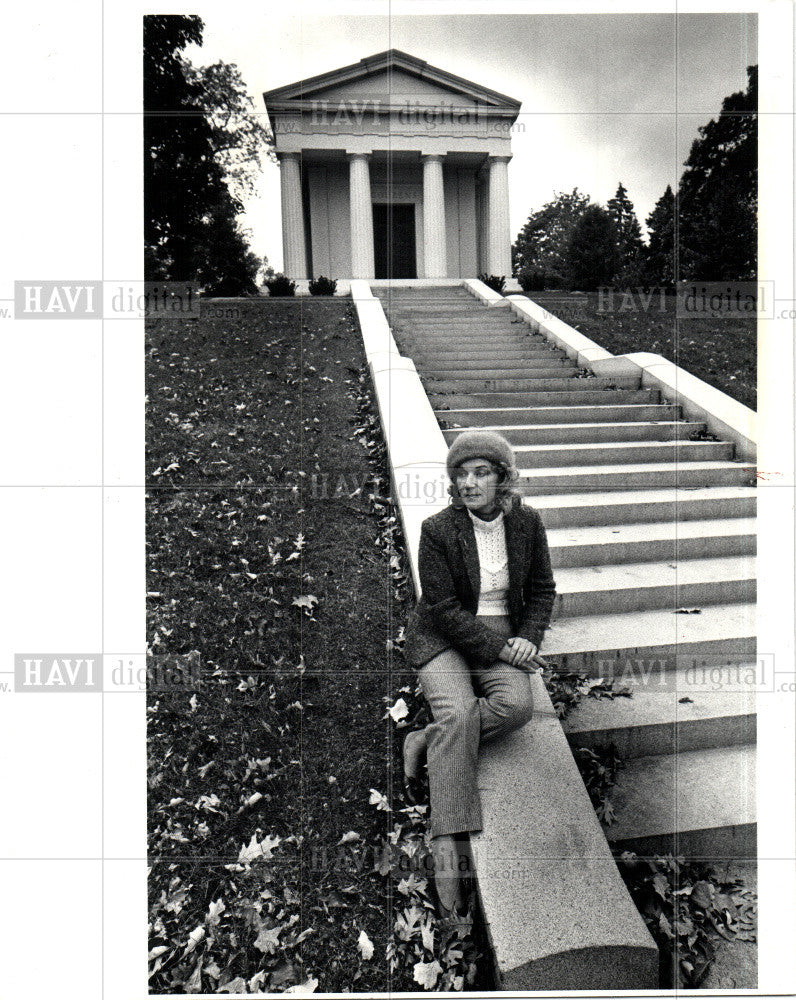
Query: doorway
pixel 394 245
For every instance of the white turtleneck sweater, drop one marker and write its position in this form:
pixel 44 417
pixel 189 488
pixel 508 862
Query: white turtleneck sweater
pixel 490 539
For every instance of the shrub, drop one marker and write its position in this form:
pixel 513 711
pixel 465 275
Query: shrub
pixel 279 285
pixel 532 279
pixel 323 286
pixel 494 282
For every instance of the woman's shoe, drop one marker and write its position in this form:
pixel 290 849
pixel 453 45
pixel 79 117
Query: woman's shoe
pixel 413 784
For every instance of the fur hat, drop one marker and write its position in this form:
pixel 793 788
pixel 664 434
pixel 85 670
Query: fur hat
pixel 479 444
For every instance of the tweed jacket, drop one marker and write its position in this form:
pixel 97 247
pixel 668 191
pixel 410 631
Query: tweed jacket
pixel 450 580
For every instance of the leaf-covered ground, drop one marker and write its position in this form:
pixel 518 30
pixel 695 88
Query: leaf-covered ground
pixel 280 855
pixel 722 352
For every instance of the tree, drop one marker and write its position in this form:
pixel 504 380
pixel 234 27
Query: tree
pixel 190 228
pixel 661 260
pixel 718 194
pixel 541 243
pixel 265 270
pixel 591 251
pixel 628 246
pixel 239 136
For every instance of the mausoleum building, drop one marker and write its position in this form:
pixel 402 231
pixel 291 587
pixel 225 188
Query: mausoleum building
pixel 391 168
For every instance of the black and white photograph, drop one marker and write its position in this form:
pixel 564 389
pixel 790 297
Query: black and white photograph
pixel 414 447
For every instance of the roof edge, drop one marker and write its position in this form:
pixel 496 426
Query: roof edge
pixel 301 89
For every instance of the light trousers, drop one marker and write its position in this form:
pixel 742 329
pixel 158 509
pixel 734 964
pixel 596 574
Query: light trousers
pixel 470 705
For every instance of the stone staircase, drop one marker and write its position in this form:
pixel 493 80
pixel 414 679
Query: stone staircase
pixel 651 525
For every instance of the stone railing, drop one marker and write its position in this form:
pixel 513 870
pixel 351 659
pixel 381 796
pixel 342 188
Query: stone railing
pixel 557 914
pixel 725 417
pixel 483 292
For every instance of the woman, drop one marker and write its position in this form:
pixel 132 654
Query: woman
pixel 487 596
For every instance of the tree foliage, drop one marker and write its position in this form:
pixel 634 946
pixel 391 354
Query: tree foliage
pixel 660 263
pixel 542 242
pixel 718 194
pixel 191 231
pixel 240 137
pixel 591 252
pixel 707 231
pixel 629 250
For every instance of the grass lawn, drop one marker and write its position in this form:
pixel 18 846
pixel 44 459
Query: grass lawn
pixel 273 559
pixel 722 352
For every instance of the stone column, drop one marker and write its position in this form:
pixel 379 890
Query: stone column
pixel 434 236
pixel 293 244
pixel 498 256
pixel 362 265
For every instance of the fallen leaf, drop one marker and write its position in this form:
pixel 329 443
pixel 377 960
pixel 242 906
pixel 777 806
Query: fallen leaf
pixel 310 986
pixel 379 801
pixel 398 711
pixel 196 936
pixel 258 849
pixel 236 985
pixel 267 940
pixel 194 984
pixel 348 838
pixel 306 601
pixel 702 894
pixel 214 912
pixel 365 946
pixel 427 974
pixel 256 982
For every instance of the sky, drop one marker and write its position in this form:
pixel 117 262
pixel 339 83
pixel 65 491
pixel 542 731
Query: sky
pixel 605 97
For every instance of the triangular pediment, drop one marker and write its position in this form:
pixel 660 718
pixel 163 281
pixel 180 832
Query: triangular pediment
pixel 391 77
pixel 393 85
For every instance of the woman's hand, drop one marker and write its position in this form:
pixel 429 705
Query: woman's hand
pixel 522 653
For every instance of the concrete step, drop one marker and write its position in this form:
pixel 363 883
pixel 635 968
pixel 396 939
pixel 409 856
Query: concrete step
pixel 667 584
pixel 479 342
pixel 647 475
pixel 436 328
pixel 625 507
pixel 523 367
pixel 582 433
pixel 637 542
pixel 485 358
pixel 523 416
pixel 561 397
pixel 462 338
pixel 442 305
pixel 482 344
pixel 449 319
pixel 670 713
pixel 563 384
pixel 432 293
pixel 658 640
pixel 433 331
pixel 494 368
pixel 617 452
pixel 696 804
pixel 552 368
pixel 442 301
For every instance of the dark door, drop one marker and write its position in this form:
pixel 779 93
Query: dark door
pixel 394 241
